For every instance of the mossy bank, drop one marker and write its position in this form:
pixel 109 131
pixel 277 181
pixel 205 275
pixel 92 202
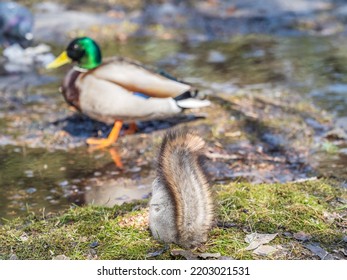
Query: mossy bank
pixel 303 214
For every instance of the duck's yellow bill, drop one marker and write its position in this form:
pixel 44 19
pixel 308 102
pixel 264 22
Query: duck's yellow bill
pixel 59 61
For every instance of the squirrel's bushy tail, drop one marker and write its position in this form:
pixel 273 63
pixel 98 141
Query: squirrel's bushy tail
pixel 181 208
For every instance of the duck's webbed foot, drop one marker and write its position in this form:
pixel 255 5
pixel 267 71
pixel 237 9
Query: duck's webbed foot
pixel 99 143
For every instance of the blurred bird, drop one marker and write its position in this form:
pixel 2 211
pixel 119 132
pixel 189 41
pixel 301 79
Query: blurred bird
pixel 16 23
pixel 118 90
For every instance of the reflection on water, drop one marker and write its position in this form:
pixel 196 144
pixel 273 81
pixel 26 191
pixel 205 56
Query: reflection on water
pixel 33 179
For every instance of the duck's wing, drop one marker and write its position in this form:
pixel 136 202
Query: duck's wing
pixel 136 78
pixel 107 101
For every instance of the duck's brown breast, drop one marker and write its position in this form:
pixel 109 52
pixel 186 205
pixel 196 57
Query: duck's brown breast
pixel 70 91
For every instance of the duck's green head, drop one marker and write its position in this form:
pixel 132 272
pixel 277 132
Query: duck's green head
pixel 84 51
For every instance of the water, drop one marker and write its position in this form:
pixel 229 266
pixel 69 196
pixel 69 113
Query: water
pixel 33 179
pixel 36 180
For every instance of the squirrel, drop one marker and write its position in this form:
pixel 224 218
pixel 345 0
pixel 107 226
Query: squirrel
pixel 181 207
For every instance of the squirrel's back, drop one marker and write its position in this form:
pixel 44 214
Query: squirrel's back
pixel 181 208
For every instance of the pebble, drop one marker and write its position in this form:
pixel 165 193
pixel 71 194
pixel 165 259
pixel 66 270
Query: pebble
pixel 256 53
pixel 64 183
pixel 29 173
pixel 216 57
pixel 342 123
pixel 301 236
pixel 146 196
pixel 54 201
pixel 134 169
pixel 31 190
pixel 124 197
pixel 343 152
pixel 336 134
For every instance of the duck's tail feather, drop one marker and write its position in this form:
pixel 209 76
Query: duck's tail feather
pixel 191 99
pixel 192 103
pixel 192 93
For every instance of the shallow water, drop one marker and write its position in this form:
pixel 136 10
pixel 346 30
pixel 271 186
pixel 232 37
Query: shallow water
pixel 39 180
pixel 35 179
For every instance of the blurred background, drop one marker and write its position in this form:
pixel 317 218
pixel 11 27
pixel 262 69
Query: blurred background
pixel 278 51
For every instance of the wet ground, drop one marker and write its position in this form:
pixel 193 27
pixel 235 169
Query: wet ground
pixel 278 114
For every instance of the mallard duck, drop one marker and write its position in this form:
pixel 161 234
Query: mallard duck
pixel 117 90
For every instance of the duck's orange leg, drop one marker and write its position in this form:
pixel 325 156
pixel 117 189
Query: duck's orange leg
pixel 116 157
pixel 132 129
pixel 105 142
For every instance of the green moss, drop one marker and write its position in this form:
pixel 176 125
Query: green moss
pixel 291 207
pixel 329 147
pixel 122 232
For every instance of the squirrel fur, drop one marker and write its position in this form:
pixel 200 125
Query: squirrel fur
pixel 181 207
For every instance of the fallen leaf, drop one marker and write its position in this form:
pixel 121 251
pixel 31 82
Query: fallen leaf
pixel 209 255
pixel 264 250
pixel 257 239
pixel 13 257
pixel 223 224
pixel 191 256
pixel 319 251
pixel 24 237
pixel 158 252
pixel 138 221
pixel 92 254
pixel 94 244
pixel 60 257
pixel 184 253
pixel 302 236
pixel 225 258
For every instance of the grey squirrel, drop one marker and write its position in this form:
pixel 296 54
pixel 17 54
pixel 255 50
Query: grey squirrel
pixel 181 207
